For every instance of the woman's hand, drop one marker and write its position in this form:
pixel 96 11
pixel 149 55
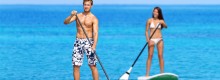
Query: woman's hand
pixel 163 23
pixel 150 43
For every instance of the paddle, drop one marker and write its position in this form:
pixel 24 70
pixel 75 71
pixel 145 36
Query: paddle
pixel 125 76
pixel 91 45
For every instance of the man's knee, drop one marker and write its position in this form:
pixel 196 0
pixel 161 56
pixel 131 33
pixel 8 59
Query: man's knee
pixel 92 67
pixel 76 67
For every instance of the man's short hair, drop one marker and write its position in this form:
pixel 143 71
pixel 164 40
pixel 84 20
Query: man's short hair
pixel 88 0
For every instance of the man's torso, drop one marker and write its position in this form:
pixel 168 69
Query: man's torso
pixel 87 23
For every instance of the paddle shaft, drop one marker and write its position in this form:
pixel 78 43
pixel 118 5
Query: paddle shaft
pixel 144 47
pixel 91 45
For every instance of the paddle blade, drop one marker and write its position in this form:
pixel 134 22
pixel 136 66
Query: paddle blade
pixel 125 76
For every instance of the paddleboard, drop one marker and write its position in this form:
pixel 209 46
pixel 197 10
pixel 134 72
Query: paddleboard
pixel 163 76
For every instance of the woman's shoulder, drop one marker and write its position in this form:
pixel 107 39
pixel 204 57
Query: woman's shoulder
pixel 149 20
pixel 162 21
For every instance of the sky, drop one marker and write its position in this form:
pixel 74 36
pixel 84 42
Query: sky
pixel 98 2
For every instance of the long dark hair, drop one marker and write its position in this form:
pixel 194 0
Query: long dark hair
pixel 160 16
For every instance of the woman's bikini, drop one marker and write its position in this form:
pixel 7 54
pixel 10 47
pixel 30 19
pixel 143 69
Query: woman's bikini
pixel 152 26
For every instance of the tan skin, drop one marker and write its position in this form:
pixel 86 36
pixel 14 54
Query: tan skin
pixel 151 44
pixel 90 24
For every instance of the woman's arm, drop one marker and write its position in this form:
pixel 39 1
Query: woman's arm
pixel 147 28
pixel 162 22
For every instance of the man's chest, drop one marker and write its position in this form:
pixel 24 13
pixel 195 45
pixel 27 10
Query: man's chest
pixel 87 21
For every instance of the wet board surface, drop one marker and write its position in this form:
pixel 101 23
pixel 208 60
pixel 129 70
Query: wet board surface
pixel 163 76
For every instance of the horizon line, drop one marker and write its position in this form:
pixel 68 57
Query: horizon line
pixel 112 4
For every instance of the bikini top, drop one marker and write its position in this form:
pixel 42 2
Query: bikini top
pixel 153 26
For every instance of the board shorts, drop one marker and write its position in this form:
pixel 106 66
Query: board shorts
pixel 82 46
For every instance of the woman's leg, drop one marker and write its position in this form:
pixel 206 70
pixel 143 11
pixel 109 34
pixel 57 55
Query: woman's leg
pixel 160 55
pixel 150 56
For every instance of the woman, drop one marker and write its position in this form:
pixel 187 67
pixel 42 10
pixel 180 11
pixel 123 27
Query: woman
pixel 156 39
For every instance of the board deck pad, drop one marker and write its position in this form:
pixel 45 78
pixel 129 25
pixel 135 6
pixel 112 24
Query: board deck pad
pixel 163 76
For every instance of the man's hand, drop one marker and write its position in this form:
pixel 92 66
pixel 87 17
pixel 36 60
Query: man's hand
pixel 70 18
pixel 73 13
pixel 93 48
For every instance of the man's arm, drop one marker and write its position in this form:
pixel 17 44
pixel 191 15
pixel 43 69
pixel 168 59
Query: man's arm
pixel 70 18
pixel 95 33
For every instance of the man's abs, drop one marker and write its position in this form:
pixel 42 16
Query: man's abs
pixel 81 34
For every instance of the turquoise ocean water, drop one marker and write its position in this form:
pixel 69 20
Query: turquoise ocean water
pixel 36 45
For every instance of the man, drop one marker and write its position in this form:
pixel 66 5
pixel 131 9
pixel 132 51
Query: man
pixel 81 44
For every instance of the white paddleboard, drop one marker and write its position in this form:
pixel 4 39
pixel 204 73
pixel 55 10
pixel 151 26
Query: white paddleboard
pixel 163 76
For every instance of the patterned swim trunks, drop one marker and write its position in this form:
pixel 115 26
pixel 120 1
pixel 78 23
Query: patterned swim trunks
pixel 82 46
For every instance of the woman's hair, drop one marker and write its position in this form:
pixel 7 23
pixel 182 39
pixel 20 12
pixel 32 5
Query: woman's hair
pixel 160 16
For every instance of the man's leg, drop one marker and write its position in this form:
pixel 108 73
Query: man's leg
pixel 76 72
pixel 92 60
pixel 77 59
pixel 95 74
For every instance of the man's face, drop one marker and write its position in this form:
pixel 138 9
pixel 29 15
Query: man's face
pixel 87 6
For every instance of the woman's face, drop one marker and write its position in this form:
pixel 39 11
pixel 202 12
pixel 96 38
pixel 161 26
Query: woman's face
pixel 155 13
